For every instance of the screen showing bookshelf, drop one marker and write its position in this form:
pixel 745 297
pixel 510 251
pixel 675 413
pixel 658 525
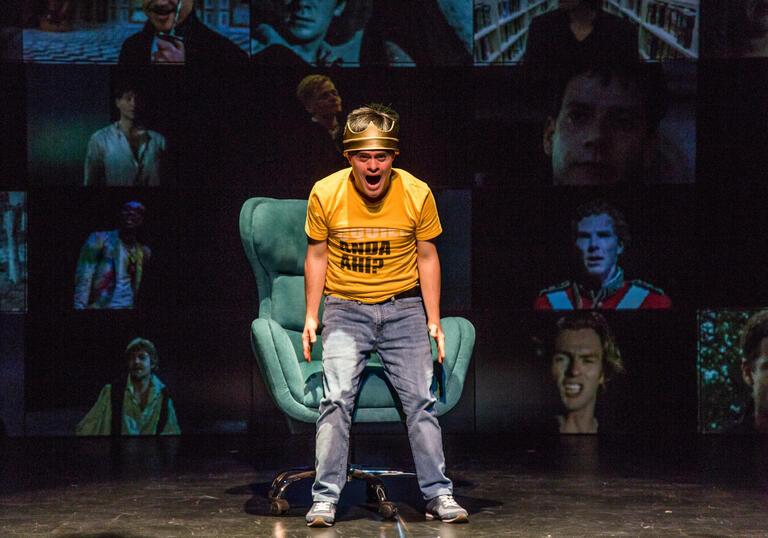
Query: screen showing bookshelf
pixel 501 27
pixel 667 30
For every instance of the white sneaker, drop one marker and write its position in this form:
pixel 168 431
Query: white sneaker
pixel 445 508
pixel 322 514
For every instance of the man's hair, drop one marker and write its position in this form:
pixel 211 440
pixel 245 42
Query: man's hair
pixel 133 203
pixel 612 363
pixel 648 78
pixel 382 116
pixel 309 86
pixel 123 87
pixel 599 207
pixel 139 345
pixel 752 335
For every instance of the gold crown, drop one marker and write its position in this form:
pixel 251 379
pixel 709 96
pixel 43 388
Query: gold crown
pixel 370 138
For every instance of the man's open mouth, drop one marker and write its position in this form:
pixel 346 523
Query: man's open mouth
pixel 572 389
pixel 373 180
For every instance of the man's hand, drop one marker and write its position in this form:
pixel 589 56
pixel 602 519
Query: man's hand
pixel 309 337
pixel 169 52
pixel 436 332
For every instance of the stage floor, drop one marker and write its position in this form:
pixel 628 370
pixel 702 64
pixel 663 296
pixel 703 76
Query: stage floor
pixel 556 486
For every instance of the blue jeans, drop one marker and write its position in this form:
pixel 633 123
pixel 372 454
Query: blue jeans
pixel 396 331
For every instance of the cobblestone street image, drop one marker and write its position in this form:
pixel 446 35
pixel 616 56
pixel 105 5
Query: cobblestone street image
pixel 98 44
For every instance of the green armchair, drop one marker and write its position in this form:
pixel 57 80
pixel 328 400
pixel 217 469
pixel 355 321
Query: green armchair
pixel 272 232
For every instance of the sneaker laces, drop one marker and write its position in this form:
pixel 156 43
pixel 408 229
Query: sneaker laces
pixel 322 506
pixel 448 501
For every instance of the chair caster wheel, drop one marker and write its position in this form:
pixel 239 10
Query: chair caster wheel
pixel 278 507
pixel 387 509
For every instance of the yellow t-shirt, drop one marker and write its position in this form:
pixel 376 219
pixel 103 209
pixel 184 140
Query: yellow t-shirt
pixel 371 247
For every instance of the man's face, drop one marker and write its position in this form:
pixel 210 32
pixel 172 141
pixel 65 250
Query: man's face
pixel 577 368
pixel 756 12
pixel 372 170
pixel 126 104
pixel 139 365
pixel 756 375
pixel 306 21
pixel 162 12
pixel 600 134
pixel 326 101
pixel 598 246
pixel 131 216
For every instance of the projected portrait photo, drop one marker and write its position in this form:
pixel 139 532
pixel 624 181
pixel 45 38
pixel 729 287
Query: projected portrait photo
pixel 604 128
pixel 600 234
pixel 589 124
pixel 13 251
pixel 139 404
pixel 136 32
pixel 584 358
pixel 580 31
pixel 569 31
pixel 111 264
pixel 734 28
pixel 733 371
pixel 361 32
pixel 124 153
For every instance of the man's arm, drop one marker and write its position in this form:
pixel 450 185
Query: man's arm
pixel 315 265
pixel 86 267
pixel 429 279
pixel 94 164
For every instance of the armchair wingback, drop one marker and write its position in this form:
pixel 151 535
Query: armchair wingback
pixel 272 233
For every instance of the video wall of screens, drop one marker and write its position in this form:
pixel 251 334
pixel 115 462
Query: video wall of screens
pixel 632 190
pixel 328 33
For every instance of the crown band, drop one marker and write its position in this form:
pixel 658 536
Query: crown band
pixel 371 138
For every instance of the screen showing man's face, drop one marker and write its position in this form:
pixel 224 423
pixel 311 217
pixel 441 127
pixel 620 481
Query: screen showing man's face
pixel 131 216
pixel 140 365
pixel 305 21
pixel 161 13
pixel 598 246
pixel 757 373
pixel 577 367
pixel 326 101
pixel 126 104
pixel 756 12
pixel 600 133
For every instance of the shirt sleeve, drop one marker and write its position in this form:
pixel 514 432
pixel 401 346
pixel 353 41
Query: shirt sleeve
pixel 86 267
pixel 98 421
pixel 94 162
pixel 316 225
pixel 429 223
pixel 172 426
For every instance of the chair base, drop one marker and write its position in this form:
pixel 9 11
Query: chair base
pixel 375 490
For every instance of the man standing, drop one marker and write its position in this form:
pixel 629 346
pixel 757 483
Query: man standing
pixel 124 154
pixel 600 235
pixel 371 252
pixel 174 35
pixel 139 405
pixel 111 264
